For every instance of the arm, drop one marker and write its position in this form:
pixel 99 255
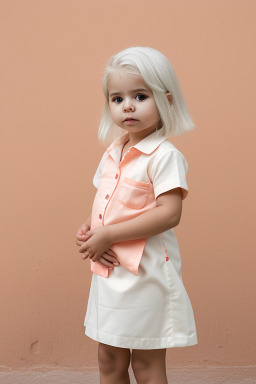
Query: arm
pixel 164 216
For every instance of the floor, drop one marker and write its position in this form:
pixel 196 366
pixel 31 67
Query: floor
pixel 191 375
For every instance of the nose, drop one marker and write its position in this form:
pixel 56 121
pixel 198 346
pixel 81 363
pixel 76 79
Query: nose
pixel 128 107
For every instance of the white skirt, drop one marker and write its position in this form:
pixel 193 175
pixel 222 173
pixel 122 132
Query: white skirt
pixel 149 311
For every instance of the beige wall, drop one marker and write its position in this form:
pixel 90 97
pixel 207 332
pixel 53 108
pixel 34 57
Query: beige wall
pixel 53 57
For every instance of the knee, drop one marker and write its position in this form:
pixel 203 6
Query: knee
pixel 110 359
pixel 106 359
pixel 148 365
pixel 141 369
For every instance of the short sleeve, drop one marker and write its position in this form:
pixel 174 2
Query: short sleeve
pixel 96 177
pixel 169 171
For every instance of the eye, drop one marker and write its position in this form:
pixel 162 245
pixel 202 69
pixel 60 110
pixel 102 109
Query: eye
pixel 117 99
pixel 141 96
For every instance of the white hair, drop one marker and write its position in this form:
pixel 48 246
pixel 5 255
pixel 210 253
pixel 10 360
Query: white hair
pixel 159 75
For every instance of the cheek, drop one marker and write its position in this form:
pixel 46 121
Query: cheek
pixel 113 112
pixel 151 112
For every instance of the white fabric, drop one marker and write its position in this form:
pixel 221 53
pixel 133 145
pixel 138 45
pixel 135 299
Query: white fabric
pixel 149 311
pixel 169 171
pixel 96 177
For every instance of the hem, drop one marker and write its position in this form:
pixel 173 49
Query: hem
pixel 140 343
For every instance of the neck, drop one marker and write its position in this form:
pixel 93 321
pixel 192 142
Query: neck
pixel 136 137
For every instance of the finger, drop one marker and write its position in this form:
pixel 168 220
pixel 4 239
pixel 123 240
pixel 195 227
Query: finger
pixel 94 257
pixel 113 255
pixel 110 258
pixel 82 237
pixel 85 255
pixel 83 248
pixel 110 252
pixel 79 231
pixel 105 262
pixel 80 243
pixel 84 228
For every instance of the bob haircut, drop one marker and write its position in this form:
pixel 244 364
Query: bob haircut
pixel 159 75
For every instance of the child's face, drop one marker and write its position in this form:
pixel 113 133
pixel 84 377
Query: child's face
pixel 128 101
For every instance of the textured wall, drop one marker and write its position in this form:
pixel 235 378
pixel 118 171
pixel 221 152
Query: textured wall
pixel 53 57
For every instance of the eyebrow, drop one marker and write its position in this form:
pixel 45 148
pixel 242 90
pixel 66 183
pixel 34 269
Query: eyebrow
pixel 133 90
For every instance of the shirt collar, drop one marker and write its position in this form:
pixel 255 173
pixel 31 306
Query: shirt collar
pixel 146 145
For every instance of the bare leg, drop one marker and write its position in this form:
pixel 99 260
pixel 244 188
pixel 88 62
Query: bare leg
pixel 113 364
pixel 149 366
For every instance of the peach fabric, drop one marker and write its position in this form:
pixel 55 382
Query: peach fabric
pixel 129 187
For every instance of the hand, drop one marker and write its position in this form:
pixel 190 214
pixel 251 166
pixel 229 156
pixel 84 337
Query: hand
pixel 109 258
pixel 98 243
pixel 81 232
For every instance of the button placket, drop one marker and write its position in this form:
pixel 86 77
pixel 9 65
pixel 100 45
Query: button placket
pixel 107 196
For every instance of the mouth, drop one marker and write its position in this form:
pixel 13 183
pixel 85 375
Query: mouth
pixel 130 119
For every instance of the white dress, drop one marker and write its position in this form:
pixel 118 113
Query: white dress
pixel 148 311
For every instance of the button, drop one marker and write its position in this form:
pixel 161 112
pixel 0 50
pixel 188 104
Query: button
pixel 116 176
pixel 107 196
pixel 100 216
pixel 167 258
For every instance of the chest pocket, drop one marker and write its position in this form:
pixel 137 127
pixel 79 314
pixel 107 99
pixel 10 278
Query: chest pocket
pixel 133 194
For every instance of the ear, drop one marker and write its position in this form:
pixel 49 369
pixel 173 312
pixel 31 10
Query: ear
pixel 169 97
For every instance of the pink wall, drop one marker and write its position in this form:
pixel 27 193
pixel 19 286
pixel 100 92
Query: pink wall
pixel 53 58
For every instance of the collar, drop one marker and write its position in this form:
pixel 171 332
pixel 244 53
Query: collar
pixel 146 145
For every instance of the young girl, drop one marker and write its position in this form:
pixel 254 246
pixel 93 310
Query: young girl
pixel 138 305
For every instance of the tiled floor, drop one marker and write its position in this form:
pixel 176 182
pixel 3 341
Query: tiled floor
pixel 191 375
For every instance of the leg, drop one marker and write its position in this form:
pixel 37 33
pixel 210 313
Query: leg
pixel 113 364
pixel 149 366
